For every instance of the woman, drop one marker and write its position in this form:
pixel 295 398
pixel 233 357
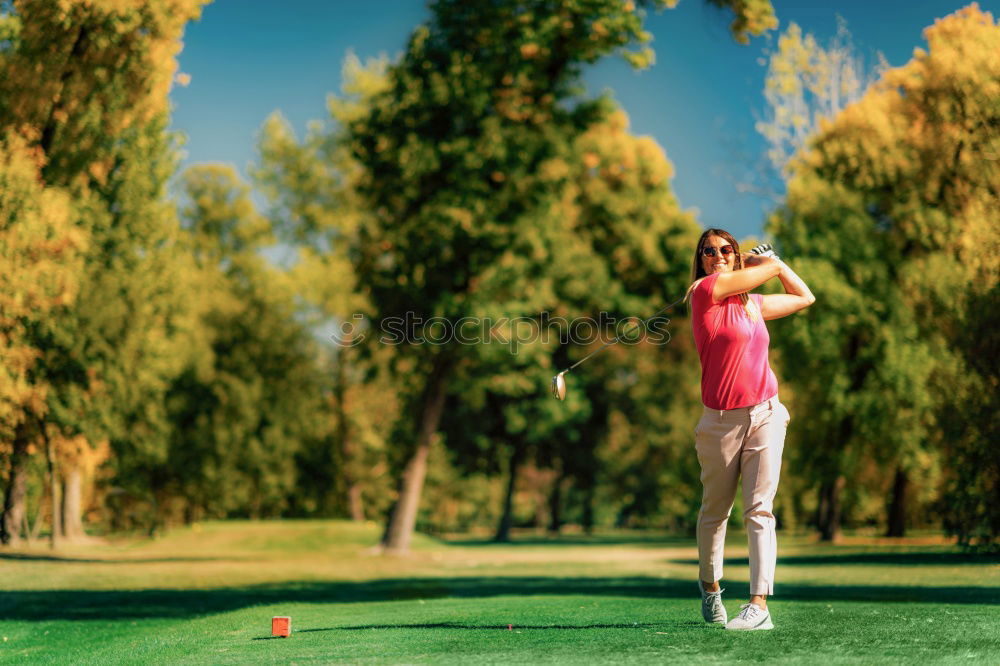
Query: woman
pixel 742 428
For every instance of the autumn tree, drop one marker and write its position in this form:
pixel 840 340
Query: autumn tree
pixel 809 84
pixel 39 270
pixel 891 215
pixel 87 83
pixel 751 17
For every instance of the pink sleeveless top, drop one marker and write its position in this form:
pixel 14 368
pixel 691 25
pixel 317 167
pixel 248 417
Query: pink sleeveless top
pixel 733 350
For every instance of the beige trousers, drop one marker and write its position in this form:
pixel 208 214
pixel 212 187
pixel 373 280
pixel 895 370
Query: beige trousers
pixel 732 443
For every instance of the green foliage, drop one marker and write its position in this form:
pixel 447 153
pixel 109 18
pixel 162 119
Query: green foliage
pixel 890 216
pixel 973 479
pixel 483 170
pixel 470 179
pixel 112 357
pixel 245 404
pixel 315 209
pixel 86 84
pixel 622 249
pixel 649 476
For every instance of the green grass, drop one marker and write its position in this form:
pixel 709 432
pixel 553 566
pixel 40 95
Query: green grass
pixel 206 595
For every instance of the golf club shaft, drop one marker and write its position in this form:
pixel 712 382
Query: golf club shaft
pixel 617 338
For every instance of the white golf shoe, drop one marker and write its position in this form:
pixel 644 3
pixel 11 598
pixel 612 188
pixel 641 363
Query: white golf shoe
pixel 711 606
pixel 750 617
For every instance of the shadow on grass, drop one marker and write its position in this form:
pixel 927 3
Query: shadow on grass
pixel 481 627
pixel 596 540
pixel 137 560
pixel 490 627
pixel 888 559
pixel 37 605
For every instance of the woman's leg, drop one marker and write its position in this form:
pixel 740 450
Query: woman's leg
pixel 761 467
pixel 717 442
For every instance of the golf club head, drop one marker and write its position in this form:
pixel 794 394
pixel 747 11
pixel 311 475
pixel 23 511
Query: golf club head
pixel 559 386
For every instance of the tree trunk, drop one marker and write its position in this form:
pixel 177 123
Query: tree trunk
pixel 588 510
pixel 72 505
pixel 540 510
pixel 14 504
pixel 503 529
pixel 829 509
pixel 50 456
pixel 356 502
pixel 555 505
pixel 897 507
pixel 403 520
pixel 35 530
pixel 348 450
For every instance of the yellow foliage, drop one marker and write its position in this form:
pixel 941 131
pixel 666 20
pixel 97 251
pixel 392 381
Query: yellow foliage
pixel 898 196
pixel 39 264
pixel 753 17
pixel 76 451
pixel 86 68
pixel 806 85
pixel 927 125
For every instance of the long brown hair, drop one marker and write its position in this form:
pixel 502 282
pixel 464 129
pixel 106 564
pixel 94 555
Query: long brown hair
pixel 698 272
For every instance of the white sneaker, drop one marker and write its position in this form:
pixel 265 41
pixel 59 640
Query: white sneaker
pixel 711 606
pixel 751 616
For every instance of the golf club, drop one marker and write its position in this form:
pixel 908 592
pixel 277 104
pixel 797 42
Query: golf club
pixel 559 381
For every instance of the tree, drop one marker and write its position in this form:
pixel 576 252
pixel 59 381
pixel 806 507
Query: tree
pixel 448 154
pixel 807 84
pixel 453 157
pixel 624 251
pixel 752 17
pixel 891 209
pixel 87 81
pixel 39 269
pixel 316 211
pixel 244 408
pixel 83 71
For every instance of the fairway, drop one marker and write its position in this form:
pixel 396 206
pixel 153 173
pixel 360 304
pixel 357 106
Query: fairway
pixel 206 594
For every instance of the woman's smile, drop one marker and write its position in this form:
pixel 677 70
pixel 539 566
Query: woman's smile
pixel 717 255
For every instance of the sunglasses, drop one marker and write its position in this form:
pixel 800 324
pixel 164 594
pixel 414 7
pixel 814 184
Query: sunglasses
pixel 726 250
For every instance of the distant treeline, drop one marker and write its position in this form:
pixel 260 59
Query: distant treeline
pixel 169 353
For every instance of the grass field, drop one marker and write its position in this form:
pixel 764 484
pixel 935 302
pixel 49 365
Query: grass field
pixel 206 594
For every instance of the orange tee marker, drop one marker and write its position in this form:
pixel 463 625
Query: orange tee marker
pixel 281 626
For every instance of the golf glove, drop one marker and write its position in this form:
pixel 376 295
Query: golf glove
pixel 765 250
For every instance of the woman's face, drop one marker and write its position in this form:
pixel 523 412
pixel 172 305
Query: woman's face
pixel 721 262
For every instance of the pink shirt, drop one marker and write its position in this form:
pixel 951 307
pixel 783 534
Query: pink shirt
pixel 733 350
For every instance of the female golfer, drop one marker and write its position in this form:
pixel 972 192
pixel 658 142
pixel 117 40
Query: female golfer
pixel 742 428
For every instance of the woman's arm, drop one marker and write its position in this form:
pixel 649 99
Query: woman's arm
pixel 796 297
pixel 757 270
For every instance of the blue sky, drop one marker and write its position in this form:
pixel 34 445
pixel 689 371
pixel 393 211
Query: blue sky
pixel 248 58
